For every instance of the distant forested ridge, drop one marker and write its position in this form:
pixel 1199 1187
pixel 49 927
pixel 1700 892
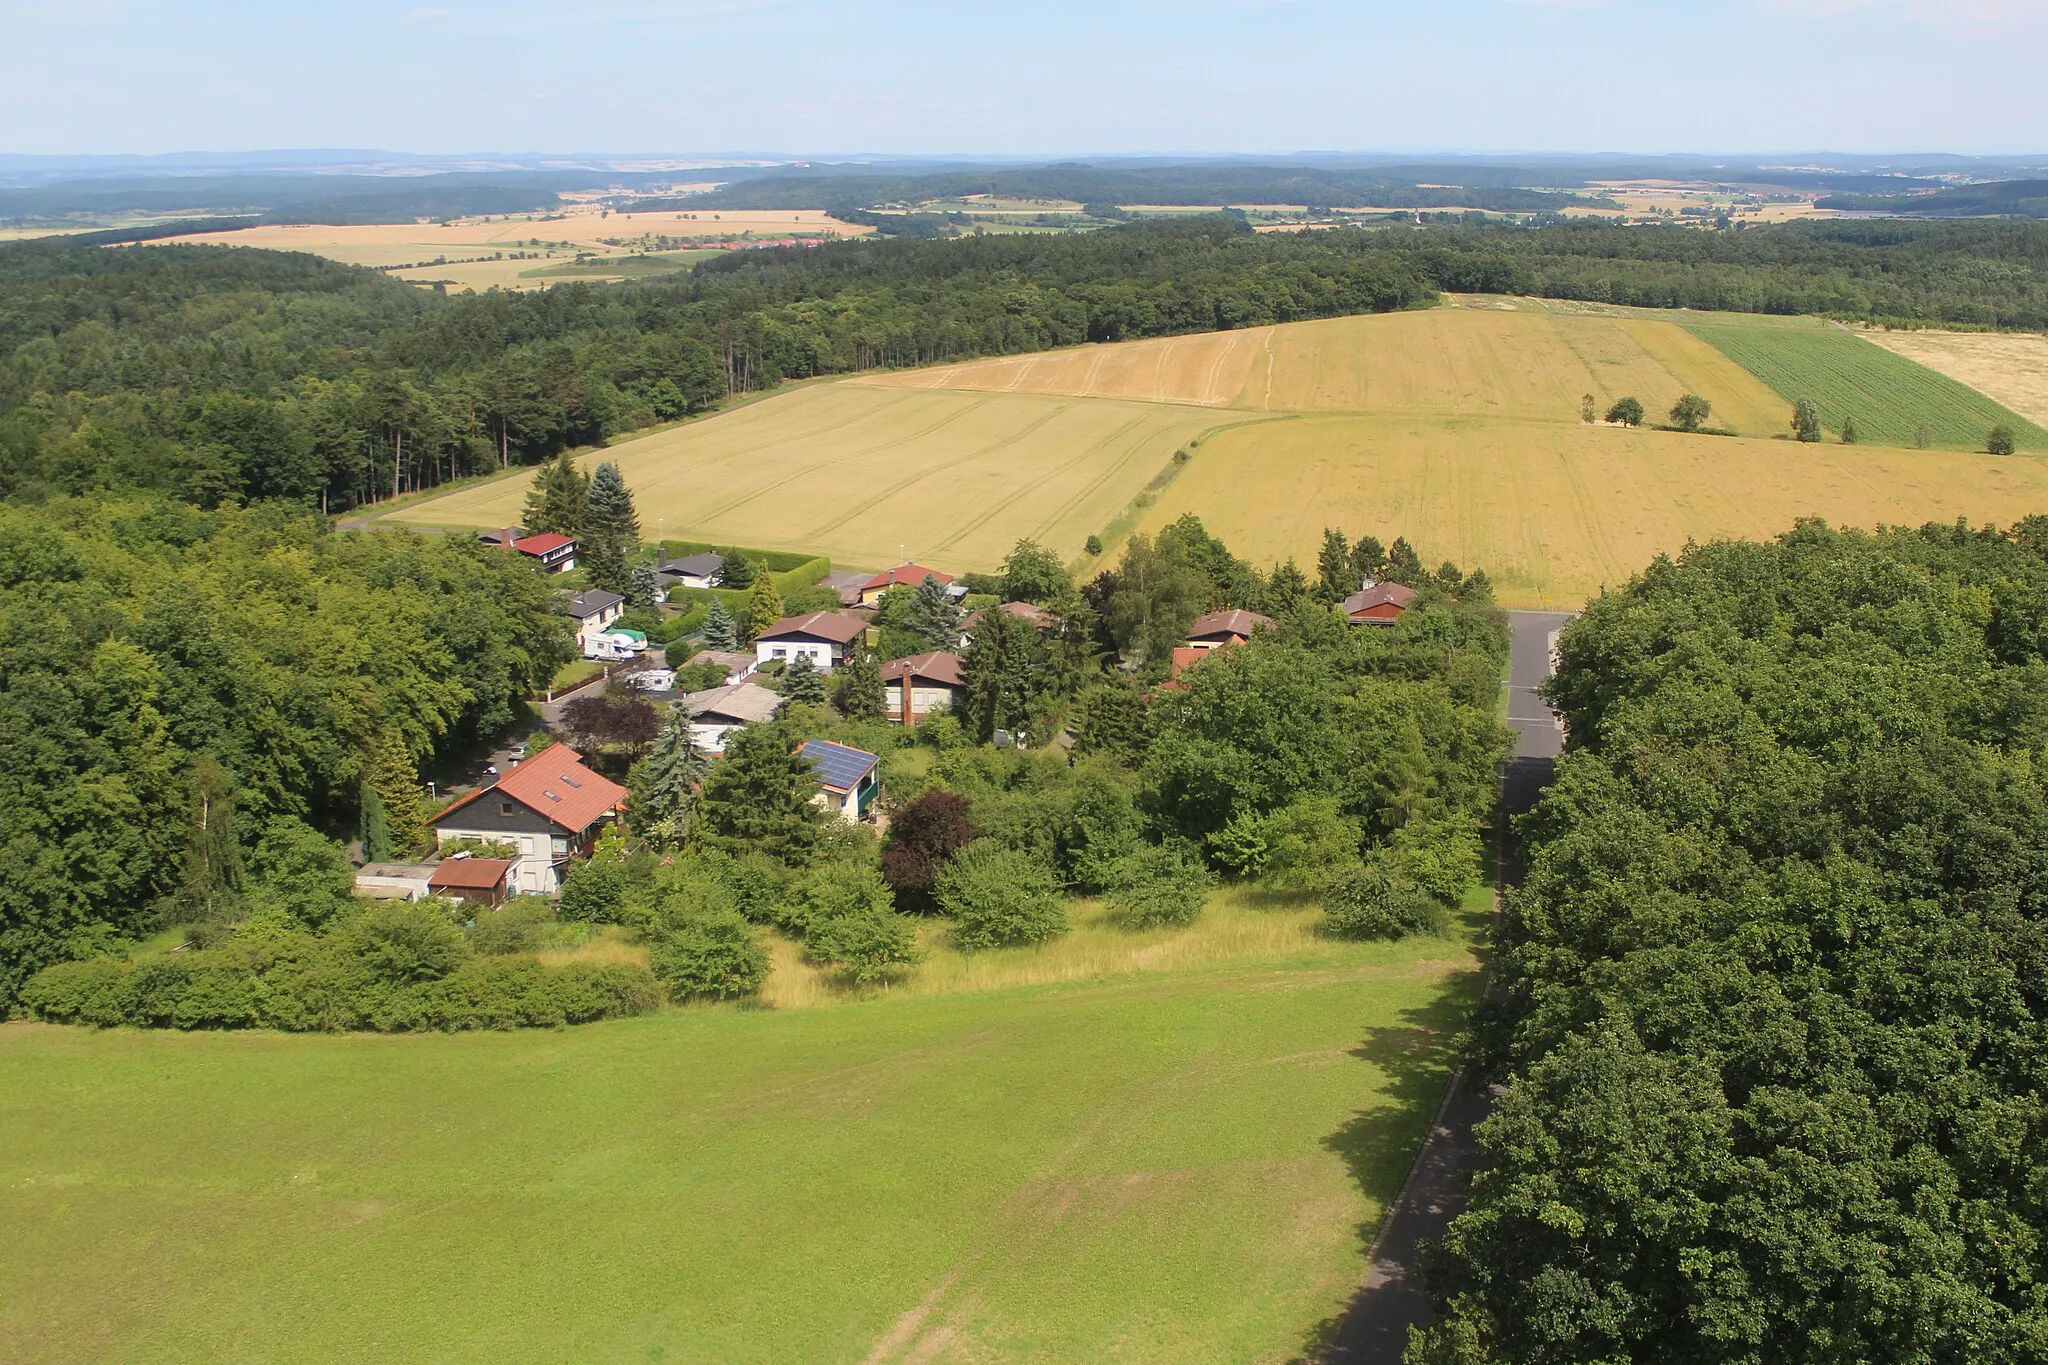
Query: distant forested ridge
pixel 2010 198
pixel 231 375
pixel 843 192
pixel 1774 1024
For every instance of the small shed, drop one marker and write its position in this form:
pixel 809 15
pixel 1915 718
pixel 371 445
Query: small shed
pixel 474 881
pixel 395 881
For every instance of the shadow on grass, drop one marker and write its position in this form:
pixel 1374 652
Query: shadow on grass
pixel 1381 1145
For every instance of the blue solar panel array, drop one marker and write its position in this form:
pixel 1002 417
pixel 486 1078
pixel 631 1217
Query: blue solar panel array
pixel 838 765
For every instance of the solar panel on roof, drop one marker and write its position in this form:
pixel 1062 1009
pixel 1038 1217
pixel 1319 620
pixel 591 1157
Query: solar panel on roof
pixel 838 766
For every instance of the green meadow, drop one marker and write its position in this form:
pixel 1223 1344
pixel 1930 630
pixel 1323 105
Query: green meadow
pixel 1890 397
pixel 1180 1158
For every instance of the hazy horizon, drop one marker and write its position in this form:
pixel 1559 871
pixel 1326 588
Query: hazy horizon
pixel 1143 77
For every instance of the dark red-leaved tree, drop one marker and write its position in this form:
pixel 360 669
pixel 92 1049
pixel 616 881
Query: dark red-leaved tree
pixel 923 837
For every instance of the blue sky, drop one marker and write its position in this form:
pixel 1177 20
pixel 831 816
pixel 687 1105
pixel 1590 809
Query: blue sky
pixel 1073 76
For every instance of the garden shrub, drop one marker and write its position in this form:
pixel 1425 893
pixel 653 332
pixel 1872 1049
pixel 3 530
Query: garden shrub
pixel 866 944
pixel 999 898
pixel 713 957
pixel 1160 885
pixel 518 926
pixel 1374 904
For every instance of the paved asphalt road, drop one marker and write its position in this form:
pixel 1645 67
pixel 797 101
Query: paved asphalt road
pixel 1375 1329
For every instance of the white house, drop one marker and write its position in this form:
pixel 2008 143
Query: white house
pixel 916 687
pixel 550 807
pixel 824 636
pixel 691 571
pixel 716 713
pixel 594 609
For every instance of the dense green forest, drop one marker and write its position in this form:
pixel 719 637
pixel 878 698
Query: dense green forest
pixel 1772 1021
pixel 157 660
pixel 221 374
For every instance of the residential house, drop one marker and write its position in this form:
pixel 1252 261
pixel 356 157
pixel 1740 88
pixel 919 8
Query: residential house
pixel 500 539
pixel 395 881
pixel 736 665
pixel 551 807
pixel 1033 615
pixel 824 636
pixel 594 610
pixel 1230 627
pixel 1378 604
pixel 916 687
pixel 691 571
pixel 848 779
pixel 554 552
pixel 846 583
pixel 482 882
pixel 902 576
pixel 717 712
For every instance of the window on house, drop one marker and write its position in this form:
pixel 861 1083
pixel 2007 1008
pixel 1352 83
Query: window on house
pixel 505 808
pixel 781 653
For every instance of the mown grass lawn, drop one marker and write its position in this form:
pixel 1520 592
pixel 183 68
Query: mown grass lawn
pixel 1155 1165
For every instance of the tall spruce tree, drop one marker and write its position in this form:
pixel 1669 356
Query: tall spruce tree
pixel 1335 580
pixel 934 619
pixel 611 529
pixel 1368 558
pixel 802 684
pixel 764 603
pixel 1000 675
pixel 757 799
pixel 556 500
pixel 641 587
pixel 860 687
pixel 664 784
pixel 720 632
pixel 389 772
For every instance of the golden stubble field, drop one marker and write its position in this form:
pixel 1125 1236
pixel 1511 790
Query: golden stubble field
pixel 1457 427
pixel 869 474
pixel 575 230
pixel 2009 366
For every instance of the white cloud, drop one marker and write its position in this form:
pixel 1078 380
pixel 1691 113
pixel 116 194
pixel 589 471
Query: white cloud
pixel 425 14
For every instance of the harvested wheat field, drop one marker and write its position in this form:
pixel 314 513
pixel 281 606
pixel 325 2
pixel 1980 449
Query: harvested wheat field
pixel 867 474
pixel 2009 366
pixel 1552 511
pixel 1208 369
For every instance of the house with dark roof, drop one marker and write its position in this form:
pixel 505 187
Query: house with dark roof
pixel 691 571
pixel 920 685
pixel 594 609
pixel 1230 627
pixel 902 576
pixel 848 778
pixel 474 881
pixel 550 807
pixel 845 584
pixel 716 712
pixel 502 537
pixel 825 636
pixel 1378 604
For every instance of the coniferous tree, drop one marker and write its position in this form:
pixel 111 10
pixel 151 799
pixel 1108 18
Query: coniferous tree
pixel 764 604
pixel 802 684
pixel 212 873
pixel 934 619
pixel 1287 587
pixel 1333 568
pixel 757 799
pixel 1404 565
pixel 374 827
pixel 611 529
pixel 1368 558
pixel 860 694
pixel 1000 674
pixel 556 501
pixel 720 632
pixel 664 784
pixel 735 570
pixel 390 773
pixel 1850 435
pixel 641 587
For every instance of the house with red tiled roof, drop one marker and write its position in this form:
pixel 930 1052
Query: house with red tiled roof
pixel 902 576
pixel 825 636
pixel 553 551
pixel 1379 604
pixel 920 685
pixel 475 881
pixel 550 807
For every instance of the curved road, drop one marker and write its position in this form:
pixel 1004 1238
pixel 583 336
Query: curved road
pixel 1375 1328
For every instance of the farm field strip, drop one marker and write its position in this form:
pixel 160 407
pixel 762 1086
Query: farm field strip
pixel 1848 376
pixel 1551 511
pixel 867 472
pixel 975 1175
pixel 1207 370
pixel 2009 367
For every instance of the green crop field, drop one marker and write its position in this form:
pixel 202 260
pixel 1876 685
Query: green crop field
pixel 1890 397
pixel 1162 1159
